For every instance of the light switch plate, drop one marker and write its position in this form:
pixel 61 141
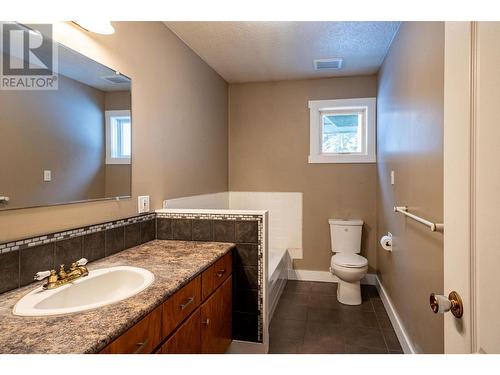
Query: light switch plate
pixel 392 177
pixel 47 175
pixel 143 203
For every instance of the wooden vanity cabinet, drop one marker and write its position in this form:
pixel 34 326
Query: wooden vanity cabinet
pixel 216 320
pixel 187 338
pixel 142 338
pixel 196 319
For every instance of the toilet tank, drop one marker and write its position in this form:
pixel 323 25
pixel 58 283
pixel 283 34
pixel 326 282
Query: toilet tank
pixel 345 235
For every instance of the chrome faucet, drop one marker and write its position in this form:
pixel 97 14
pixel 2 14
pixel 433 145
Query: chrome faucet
pixel 63 277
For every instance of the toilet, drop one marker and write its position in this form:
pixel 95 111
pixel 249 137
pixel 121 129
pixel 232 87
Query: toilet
pixel 346 263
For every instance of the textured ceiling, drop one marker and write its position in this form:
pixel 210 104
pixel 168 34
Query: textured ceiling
pixel 267 51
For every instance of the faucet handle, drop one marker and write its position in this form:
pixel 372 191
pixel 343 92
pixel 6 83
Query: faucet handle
pixel 41 275
pixel 81 262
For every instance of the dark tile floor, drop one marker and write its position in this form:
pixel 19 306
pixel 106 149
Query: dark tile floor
pixel 309 319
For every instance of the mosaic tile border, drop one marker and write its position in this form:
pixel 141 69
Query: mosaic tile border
pixel 260 249
pixel 59 236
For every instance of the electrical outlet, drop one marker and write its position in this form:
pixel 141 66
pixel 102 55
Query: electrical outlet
pixel 143 203
pixel 47 175
pixel 392 177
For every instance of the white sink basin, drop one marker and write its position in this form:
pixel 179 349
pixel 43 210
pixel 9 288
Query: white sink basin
pixel 100 288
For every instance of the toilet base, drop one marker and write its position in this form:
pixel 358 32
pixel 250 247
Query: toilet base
pixel 349 293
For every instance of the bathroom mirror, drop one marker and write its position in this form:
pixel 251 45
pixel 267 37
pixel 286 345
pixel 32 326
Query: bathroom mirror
pixel 69 144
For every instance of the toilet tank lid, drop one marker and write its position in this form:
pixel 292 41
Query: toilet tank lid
pixel 348 222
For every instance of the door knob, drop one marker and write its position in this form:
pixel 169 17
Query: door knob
pixel 442 304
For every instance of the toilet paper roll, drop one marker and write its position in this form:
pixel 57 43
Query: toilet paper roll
pixel 386 243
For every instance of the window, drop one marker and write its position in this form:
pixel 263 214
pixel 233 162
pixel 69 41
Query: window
pixel 118 137
pixel 342 131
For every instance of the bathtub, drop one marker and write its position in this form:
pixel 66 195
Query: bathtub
pixel 279 262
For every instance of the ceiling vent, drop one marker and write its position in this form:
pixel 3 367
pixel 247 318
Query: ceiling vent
pixel 116 79
pixel 328 64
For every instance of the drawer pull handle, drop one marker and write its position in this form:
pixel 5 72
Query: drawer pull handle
pixel 220 273
pixel 206 322
pixel 186 303
pixel 140 346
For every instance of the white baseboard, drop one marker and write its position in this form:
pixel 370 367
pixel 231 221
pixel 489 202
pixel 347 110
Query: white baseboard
pixel 325 276
pixel 245 347
pixel 396 321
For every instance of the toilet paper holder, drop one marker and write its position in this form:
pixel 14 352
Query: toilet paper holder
pixel 386 242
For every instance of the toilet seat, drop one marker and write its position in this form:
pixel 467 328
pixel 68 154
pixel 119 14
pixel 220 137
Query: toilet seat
pixel 349 260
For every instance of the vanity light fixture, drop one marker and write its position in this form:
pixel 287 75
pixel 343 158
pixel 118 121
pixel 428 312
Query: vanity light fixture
pixel 98 27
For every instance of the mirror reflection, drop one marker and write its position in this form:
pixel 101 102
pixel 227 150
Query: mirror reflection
pixel 67 145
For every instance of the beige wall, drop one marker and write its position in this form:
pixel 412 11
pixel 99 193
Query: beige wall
pixel 61 131
pixel 268 151
pixel 118 180
pixel 117 100
pixel 410 142
pixel 179 118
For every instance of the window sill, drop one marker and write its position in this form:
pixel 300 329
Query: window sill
pixel 341 159
pixel 118 161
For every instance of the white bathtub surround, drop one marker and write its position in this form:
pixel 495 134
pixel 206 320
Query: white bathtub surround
pixel 285 216
pixel 279 264
pixel 206 201
pixel 284 212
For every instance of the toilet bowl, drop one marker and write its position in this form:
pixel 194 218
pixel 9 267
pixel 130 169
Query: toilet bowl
pixel 349 271
pixel 346 264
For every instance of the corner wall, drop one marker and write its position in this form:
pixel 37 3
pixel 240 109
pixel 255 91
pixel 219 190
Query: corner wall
pixel 268 152
pixel 410 142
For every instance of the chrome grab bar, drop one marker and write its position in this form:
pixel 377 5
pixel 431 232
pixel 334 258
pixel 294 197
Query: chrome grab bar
pixel 434 227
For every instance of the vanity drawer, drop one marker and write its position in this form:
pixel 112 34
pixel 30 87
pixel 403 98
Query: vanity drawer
pixel 142 338
pixel 180 305
pixel 216 274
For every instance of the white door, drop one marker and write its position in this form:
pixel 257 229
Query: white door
pixel 472 184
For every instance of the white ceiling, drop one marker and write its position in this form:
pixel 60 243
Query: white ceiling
pixel 268 51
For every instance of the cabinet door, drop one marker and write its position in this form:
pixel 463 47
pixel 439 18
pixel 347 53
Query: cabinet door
pixel 216 320
pixel 186 340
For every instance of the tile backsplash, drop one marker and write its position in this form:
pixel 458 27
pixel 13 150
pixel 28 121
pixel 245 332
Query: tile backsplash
pixel 20 260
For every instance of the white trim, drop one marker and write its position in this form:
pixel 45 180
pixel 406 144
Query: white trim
pixel 325 276
pixel 108 115
pixel 203 201
pixel 318 106
pixel 396 321
pixel 296 253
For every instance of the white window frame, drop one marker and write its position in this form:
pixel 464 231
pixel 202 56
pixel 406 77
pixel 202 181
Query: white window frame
pixel 108 116
pixel 319 107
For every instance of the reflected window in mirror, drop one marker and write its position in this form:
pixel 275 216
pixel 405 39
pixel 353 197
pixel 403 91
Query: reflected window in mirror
pixel 118 137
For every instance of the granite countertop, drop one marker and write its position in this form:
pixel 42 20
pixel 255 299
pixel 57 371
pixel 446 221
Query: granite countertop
pixel 174 263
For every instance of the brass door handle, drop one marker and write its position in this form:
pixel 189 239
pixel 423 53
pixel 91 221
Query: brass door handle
pixel 186 303
pixel 442 304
